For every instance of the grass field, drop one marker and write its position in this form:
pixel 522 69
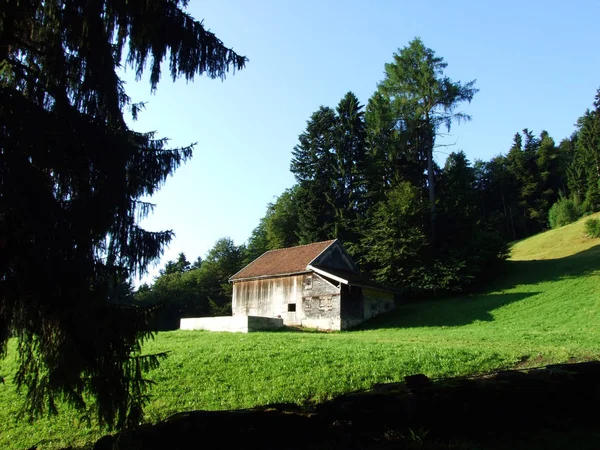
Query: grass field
pixel 545 308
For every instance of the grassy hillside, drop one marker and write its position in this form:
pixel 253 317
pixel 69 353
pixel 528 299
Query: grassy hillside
pixel 544 308
pixel 561 242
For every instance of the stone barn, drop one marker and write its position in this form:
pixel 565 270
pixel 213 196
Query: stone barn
pixel 315 285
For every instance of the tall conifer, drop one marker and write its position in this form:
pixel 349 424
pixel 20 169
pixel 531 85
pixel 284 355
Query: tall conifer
pixel 72 174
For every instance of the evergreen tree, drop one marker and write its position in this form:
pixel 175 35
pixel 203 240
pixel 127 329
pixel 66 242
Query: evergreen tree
pixel 521 164
pixel 498 196
pixel 574 167
pixel 588 155
pixel 350 159
pixel 196 264
pixel 382 160
pixel 329 165
pixel 457 201
pixel 395 148
pixel 312 158
pixel 312 165
pixel 550 165
pixel 423 99
pixel 316 215
pixel 182 265
pixel 69 233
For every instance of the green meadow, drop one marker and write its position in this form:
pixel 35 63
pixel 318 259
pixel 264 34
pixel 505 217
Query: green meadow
pixel 544 308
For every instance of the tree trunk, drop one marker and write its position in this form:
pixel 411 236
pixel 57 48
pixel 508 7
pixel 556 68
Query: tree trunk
pixel 431 186
pixel 506 219
pixel 430 177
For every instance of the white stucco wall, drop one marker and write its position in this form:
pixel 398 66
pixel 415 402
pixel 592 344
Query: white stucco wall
pixel 269 297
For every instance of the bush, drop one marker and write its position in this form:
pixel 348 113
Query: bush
pixel 564 212
pixel 592 228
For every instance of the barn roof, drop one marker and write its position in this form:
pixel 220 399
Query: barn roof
pixel 283 261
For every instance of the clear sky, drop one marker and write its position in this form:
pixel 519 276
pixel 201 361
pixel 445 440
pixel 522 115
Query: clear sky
pixel 537 65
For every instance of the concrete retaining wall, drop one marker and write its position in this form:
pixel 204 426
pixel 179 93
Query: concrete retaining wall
pixel 239 324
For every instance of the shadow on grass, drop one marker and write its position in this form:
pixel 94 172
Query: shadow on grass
pixel 451 312
pixel 466 309
pixel 539 271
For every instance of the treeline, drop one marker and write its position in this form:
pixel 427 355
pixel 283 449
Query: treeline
pixel 367 176
pixel 197 289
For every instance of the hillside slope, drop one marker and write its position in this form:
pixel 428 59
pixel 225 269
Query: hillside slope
pixel 546 303
pixel 558 243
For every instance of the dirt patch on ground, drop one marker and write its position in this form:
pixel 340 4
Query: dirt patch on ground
pixel 552 407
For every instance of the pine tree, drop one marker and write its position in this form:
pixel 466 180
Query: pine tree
pixel 588 155
pixel 395 151
pixel 316 216
pixel 71 177
pixel 498 192
pixel 329 165
pixel 551 169
pixel 423 99
pixel 521 162
pixel 457 201
pixel 312 163
pixel 574 166
pixel 181 265
pixel 350 159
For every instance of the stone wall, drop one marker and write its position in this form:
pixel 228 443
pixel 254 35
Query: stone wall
pixel 320 304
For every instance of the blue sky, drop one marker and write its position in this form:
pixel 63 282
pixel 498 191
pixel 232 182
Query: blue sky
pixel 537 66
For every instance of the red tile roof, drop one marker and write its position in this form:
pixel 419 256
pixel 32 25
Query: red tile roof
pixel 282 261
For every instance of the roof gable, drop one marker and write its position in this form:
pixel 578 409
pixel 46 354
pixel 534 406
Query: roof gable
pixel 335 257
pixel 283 261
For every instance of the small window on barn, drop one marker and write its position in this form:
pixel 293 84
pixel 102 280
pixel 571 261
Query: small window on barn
pixel 308 282
pixel 291 307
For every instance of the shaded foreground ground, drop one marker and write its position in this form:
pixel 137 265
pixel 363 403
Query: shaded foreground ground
pixel 551 408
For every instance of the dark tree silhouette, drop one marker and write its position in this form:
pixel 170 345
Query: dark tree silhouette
pixel 71 177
